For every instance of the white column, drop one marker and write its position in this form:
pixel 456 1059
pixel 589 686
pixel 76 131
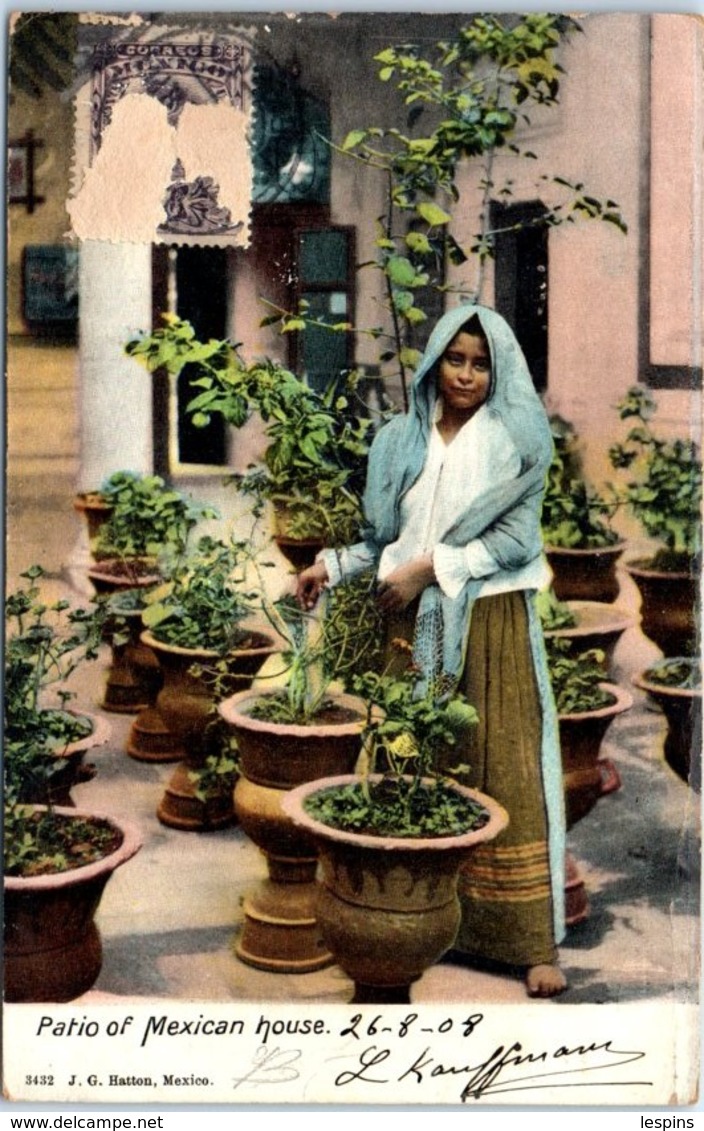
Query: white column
pixel 115 393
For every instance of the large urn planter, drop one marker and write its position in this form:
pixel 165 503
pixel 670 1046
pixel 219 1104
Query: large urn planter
pixel 670 601
pixel 186 703
pixel 387 907
pixel 587 574
pixel 682 708
pixel 133 677
pixel 95 510
pixel 586 777
pixel 71 768
pixel 598 625
pixel 300 550
pixel 280 932
pixel 52 945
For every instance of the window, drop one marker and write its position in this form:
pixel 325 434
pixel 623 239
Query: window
pixel 521 279
pixel 324 273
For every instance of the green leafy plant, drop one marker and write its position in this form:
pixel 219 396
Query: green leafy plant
pixel 315 461
pixel 474 94
pixel 400 790
pixel 677 671
pixel 664 491
pixel 205 595
pixel 147 518
pixel 576 680
pixel 554 614
pixel 305 663
pixel 44 644
pixel 40 842
pixel 573 511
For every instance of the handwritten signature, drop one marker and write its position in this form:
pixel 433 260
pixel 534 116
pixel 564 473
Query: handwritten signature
pixel 270 1066
pixel 496 1075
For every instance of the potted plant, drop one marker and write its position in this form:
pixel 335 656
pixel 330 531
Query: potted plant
pixel 314 464
pixel 674 684
pixel 664 494
pixel 194 623
pixel 581 547
pixel 587 705
pixel 392 837
pixel 95 508
pixel 45 740
pixel 586 626
pixel 147 518
pixel 299 728
pixel 57 862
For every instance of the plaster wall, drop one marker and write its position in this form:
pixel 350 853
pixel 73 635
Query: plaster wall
pixel 51 119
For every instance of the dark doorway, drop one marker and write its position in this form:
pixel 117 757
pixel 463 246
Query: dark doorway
pixel 201 298
pixel 521 279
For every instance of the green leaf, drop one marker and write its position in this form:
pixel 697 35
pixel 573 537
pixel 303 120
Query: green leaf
pixel 419 243
pixel 353 138
pixel 432 213
pixel 401 271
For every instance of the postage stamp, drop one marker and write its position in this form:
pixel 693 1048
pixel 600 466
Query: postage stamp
pixel 160 105
pixel 354 359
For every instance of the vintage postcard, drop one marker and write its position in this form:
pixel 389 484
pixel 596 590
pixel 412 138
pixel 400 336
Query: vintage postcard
pixel 352 693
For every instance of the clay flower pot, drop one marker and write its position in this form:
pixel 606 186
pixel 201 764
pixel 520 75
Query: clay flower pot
pixel 186 703
pixel 585 777
pixel 299 551
pixel 133 677
pixel 599 625
pixel 682 708
pixel 585 575
pixel 280 932
pixel 72 767
pixel 387 907
pixel 95 510
pixel 669 607
pixel 52 946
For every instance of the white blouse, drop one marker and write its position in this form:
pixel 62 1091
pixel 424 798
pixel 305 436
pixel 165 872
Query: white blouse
pixel 454 474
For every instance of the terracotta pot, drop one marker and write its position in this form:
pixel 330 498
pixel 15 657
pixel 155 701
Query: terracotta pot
pixel 388 906
pixel 95 510
pixel 669 607
pixel 585 777
pixel 186 703
pixel 52 946
pixel 280 931
pixel 682 708
pixel 299 551
pixel 599 625
pixel 113 575
pixel 585 575
pixel 75 769
pixel 133 678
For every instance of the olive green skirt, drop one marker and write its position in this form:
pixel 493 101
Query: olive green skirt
pixel 505 886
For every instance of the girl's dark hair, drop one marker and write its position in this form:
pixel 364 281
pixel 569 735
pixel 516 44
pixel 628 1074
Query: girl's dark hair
pixel 473 326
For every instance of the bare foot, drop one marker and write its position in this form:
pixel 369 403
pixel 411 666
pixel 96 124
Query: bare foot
pixel 545 981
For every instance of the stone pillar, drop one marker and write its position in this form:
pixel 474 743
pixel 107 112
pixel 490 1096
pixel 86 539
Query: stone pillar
pixel 115 392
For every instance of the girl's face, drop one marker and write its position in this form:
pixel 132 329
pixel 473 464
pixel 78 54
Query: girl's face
pixel 465 374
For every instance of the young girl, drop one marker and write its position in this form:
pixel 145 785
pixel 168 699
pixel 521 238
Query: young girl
pixel 453 504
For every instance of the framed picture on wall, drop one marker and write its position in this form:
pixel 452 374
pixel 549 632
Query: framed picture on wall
pixel 20 171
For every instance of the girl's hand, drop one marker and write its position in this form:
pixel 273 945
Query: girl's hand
pixel 310 584
pixel 405 583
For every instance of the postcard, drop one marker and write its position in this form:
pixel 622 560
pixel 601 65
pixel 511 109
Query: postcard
pixel 352 697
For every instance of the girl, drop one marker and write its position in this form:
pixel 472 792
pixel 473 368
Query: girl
pixel 453 504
